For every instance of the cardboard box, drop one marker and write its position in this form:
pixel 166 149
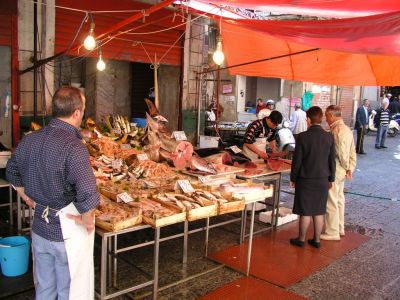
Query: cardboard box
pixel 286 216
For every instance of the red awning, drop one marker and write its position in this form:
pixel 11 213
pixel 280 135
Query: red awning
pixel 358 51
pixel 154 34
pixel 323 8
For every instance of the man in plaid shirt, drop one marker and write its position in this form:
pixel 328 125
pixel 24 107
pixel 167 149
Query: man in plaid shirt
pixel 50 169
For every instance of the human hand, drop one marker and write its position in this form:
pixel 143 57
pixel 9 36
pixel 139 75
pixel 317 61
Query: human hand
pixel 292 184
pixel 349 175
pixel 30 202
pixel 86 220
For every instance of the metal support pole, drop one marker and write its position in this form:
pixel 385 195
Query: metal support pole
pixel 115 260
pixel 155 262
pixel 244 223
pixel 103 267
pixel 207 234
pixel 185 241
pixel 11 205
pixel 19 214
pixel 109 260
pixel 35 36
pixel 253 210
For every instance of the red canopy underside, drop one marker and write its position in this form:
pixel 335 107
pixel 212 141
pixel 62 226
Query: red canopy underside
pixel 325 8
pixel 357 51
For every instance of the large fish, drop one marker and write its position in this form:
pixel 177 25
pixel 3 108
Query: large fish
pixel 201 164
pixel 152 108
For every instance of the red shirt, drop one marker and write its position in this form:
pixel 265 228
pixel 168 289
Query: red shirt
pixel 260 107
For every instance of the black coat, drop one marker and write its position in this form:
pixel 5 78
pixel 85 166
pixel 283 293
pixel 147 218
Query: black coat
pixel 314 155
pixel 361 119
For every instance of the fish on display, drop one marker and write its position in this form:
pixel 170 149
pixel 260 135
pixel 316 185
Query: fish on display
pixel 197 163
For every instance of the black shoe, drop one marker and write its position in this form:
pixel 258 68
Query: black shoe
pixel 363 153
pixel 315 244
pixel 383 147
pixel 378 147
pixel 297 242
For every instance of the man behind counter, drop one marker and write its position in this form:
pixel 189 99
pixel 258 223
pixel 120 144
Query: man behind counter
pixel 260 132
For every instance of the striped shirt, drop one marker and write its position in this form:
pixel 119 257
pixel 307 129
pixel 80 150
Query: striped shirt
pixel 384 120
pixel 52 164
pixel 258 129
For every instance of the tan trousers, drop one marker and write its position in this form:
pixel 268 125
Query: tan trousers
pixel 334 217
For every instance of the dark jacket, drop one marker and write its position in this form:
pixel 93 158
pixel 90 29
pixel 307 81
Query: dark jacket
pixel 314 155
pixel 361 119
pixel 394 107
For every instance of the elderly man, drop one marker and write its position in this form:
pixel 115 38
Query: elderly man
pixel 345 165
pixel 51 172
pixel 298 120
pixel 361 125
pixel 381 121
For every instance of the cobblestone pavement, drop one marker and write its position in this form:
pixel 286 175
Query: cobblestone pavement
pixel 371 271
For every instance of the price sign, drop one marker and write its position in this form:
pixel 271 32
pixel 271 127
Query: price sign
pixel 185 186
pixel 124 197
pixel 116 164
pixel 142 156
pixel 126 146
pixel 204 179
pixel 235 149
pixel 179 135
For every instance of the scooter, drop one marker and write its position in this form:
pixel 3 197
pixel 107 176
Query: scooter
pixel 393 128
pixel 285 139
pixel 394 125
pixel 371 125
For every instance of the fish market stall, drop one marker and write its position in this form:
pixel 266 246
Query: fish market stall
pixel 150 179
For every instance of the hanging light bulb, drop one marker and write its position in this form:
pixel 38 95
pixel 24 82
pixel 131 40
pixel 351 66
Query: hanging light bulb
pixel 90 42
pixel 101 65
pixel 218 56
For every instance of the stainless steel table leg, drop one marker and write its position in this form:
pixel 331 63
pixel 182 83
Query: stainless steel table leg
pixel 103 268
pixel 185 241
pixel 11 205
pixel 253 210
pixel 109 260
pixel 155 262
pixel 207 234
pixel 275 206
pixel 115 261
pixel 244 223
pixel 19 214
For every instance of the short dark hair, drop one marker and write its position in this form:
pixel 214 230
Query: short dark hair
pixel 275 117
pixel 315 114
pixel 334 110
pixel 65 101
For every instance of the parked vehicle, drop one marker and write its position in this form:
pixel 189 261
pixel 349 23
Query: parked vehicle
pixel 285 139
pixel 394 124
pixel 371 125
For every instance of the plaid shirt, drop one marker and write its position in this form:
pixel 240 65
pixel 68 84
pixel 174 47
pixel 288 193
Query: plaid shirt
pixel 53 166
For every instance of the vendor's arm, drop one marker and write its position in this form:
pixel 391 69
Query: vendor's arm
pixel 81 176
pixel 14 176
pixel 261 154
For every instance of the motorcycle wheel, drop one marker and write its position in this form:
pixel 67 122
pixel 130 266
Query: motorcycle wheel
pixel 393 132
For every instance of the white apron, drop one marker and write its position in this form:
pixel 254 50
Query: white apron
pixel 260 143
pixel 79 247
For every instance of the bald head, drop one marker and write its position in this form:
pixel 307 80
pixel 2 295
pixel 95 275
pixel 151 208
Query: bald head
pixel 66 100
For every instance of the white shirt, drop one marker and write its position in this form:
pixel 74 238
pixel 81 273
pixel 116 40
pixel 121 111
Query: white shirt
pixel 299 121
pixel 366 113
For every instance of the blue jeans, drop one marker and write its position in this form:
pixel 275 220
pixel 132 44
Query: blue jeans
pixel 50 269
pixel 381 135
